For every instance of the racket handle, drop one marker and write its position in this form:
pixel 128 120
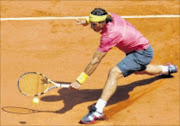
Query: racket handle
pixel 65 85
pixel 60 84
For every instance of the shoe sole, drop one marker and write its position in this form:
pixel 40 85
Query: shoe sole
pixel 169 64
pixel 175 71
pixel 100 118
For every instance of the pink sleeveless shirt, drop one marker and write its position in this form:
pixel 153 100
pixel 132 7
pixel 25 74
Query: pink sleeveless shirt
pixel 121 34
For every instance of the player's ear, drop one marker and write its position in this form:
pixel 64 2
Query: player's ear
pixel 103 22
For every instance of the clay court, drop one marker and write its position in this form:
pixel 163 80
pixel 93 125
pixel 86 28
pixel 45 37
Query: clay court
pixel 61 50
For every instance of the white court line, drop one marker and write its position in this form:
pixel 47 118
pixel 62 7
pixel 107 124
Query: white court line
pixel 77 17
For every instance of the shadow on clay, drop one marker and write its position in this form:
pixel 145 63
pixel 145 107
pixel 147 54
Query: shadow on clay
pixel 71 98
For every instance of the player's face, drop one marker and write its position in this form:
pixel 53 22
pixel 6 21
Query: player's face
pixel 97 27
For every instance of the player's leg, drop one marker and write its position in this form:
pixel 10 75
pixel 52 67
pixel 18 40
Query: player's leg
pixel 111 84
pixel 159 69
pixel 96 112
pixel 124 68
pixel 144 57
pixel 151 70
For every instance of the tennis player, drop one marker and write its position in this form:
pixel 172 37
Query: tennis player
pixel 117 32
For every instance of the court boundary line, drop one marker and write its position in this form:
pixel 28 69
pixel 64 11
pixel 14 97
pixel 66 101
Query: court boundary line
pixel 81 17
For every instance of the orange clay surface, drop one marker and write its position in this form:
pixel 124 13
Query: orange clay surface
pixel 61 50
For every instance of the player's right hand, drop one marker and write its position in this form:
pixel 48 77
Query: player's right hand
pixel 75 85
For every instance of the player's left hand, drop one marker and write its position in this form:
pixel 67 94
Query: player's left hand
pixel 75 85
pixel 81 22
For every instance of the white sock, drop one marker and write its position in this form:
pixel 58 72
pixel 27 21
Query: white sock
pixel 164 69
pixel 100 105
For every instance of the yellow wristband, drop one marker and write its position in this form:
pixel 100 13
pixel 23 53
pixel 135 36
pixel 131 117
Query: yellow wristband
pixel 82 78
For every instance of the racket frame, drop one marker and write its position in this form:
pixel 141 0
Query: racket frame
pixel 56 85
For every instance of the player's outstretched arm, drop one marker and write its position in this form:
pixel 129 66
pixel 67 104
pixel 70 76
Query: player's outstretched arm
pixel 98 56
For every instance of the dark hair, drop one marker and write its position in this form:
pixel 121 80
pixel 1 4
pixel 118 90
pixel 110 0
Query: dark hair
pixel 100 12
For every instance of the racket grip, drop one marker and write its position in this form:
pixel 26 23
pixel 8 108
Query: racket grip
pixel 65 85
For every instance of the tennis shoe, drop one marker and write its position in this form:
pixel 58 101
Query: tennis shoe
pixel 92 116
pixel 171 68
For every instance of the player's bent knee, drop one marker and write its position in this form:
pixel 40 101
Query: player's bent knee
pixel 115 72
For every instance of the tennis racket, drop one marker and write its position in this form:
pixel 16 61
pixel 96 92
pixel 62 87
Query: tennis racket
pixel 36 84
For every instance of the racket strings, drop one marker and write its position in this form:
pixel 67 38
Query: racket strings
pixel 33 84
pixel 37 85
